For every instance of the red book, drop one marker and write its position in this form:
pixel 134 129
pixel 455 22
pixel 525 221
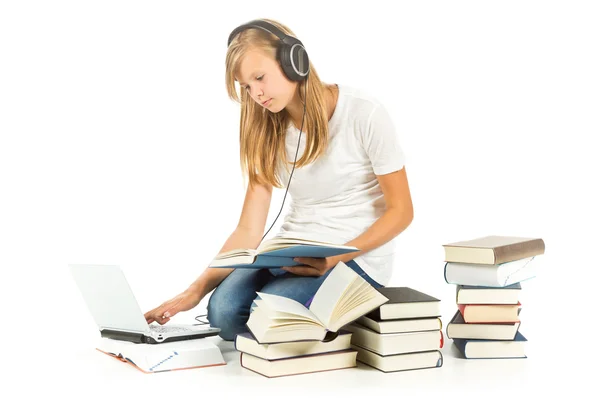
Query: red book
pixel 485 313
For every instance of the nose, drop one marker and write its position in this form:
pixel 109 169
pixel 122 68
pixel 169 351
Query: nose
pixel 256 92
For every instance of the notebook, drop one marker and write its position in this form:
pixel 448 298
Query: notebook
pixel 113 306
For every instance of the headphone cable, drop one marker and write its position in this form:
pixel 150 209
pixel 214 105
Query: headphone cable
pixel 294 167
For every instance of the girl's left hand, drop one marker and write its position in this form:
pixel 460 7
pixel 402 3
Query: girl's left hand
pixel 312 266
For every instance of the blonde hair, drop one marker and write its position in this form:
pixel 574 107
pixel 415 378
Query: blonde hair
pixel 262 133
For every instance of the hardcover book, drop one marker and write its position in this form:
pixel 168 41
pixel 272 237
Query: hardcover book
pixel 493 249
pixel 405 302
pixel 481 348
pixel 343 297
pixel 278 252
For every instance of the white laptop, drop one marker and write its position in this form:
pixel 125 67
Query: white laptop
pixel 111 302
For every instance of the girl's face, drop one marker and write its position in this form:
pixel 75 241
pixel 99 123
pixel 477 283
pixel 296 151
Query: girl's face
pixel 262 78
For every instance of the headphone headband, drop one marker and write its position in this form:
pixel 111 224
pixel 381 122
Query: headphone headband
pixel 258 23
pixel 291 53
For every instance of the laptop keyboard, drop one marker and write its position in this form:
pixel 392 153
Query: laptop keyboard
pixel 169 329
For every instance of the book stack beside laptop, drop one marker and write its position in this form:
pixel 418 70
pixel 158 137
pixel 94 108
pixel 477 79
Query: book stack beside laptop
pixel 403 334
pixel 286 338
pixel 488 272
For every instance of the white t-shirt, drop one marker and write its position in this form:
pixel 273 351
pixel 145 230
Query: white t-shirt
pixel 338 197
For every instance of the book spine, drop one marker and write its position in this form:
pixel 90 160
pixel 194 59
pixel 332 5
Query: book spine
pixel 461 345
pixel 517 251
pixel 445 269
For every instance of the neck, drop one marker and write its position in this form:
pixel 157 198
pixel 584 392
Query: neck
pixel 295 108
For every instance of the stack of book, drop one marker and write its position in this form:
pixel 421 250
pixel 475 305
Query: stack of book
pixel 286 338
pixel 403 334
pixel 488 272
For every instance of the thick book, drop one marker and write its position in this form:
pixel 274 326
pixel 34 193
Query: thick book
pixel 343 297
pixel 499 275
pixel 481 313
pixel 457 328
pixel 278 252
pixel 245 343
pixel 299 365
pixel 480 348
pixel 400 362
pixel 171 356
pixel 405 302
pixel 466 294
pixel 493 249
pixel 395 343
pixel 400 325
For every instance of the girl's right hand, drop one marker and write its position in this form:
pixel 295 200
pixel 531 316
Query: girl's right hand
pixel 182 302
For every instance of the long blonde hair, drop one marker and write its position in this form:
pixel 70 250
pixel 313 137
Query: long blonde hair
pixel 262 133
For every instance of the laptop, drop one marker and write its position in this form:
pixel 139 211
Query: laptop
pixel 113 306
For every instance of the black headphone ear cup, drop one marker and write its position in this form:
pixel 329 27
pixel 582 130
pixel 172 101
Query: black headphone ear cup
pixel 300 61
pixel 285 60
pixel 294 61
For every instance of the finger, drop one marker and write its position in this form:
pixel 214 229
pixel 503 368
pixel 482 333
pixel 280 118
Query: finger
pixel 163 320
pixel 303 270
pixel 313 262
pixel 171 309
pixel 160 314
pixel 150 316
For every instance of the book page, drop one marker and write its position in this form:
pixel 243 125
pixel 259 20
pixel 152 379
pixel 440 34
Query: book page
pixel 332 290
pixel 286 306
pixel 362 298
pixel 281 243
pixel 235 253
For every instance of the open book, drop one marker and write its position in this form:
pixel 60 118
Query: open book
pixel 277 252
pixel 171 356
pixel 343 297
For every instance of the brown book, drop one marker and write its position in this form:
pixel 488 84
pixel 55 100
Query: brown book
pixel 493 249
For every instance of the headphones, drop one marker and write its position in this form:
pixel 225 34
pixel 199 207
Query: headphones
pixel 293 59
pixel 291 53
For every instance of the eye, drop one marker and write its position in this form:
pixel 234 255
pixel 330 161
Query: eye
pixel 259 78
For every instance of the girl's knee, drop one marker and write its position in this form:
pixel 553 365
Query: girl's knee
pixel 229 316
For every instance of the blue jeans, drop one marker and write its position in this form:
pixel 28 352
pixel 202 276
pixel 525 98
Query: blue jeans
pixel 230 303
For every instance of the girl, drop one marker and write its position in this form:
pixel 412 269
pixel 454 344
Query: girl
pixel 350 186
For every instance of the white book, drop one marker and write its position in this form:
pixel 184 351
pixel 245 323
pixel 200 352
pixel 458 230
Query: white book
pixel 497 275
pixel 245 343
pixel 400 362
pixel 170 356
pixel 343 297
pixel 277 252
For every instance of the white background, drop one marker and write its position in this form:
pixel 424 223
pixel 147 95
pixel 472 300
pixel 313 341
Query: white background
pixel 119 145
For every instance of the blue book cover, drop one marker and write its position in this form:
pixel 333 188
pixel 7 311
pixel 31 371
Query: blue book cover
pixel 492 349
pixel 278 252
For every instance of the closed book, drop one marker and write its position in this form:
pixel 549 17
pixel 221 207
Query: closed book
pixel 466 294
pixel 457 328
pixel 395 343
pixel 400 325
pixel 244 342
pixel 480 348
pixel 499 275
pixel 493 249
pixel 400 362
pixel 406 302
pixel 480 313
pixel 299 365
